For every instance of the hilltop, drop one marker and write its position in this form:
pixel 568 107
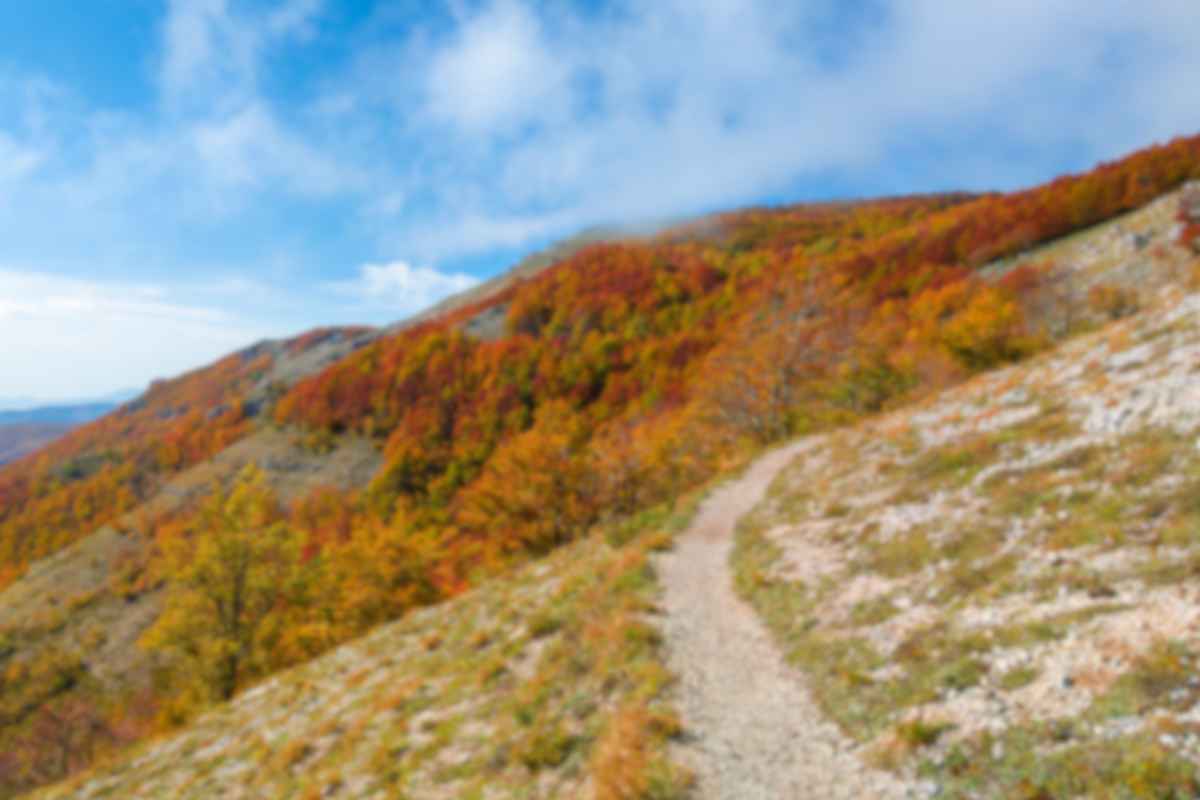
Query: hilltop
pixel 462 458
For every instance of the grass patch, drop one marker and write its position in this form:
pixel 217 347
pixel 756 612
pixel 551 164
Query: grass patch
pixel 1161 678
pixel 956 464
pixel 1019 764
pixel 1052 423
pixel 873 612
pixel 1018 677
pixel 625 764
pixel 969 581
pixel 919 733
pixel 548 747
pixel 902 555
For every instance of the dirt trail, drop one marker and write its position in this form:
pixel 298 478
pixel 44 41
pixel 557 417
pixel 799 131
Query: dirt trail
pixel 754 732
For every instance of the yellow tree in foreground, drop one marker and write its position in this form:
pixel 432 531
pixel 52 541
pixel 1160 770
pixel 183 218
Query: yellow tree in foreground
pixel 532 495
pixel 228 580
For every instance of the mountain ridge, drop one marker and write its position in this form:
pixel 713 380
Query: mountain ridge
pixel 600 385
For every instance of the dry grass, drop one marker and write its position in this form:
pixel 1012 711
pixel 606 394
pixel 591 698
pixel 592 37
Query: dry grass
pixel 627 763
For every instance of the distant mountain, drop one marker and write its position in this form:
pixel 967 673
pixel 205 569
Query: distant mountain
pixel 27 425
pixel 20 440
pixel 65 414
pixel 25 410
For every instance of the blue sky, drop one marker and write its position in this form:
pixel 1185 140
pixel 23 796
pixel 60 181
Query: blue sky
pixel 179 178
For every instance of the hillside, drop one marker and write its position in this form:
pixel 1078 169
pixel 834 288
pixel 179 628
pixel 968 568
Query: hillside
pixel 543 684
pixel 995 589
pixel 987 592
pixel 365 473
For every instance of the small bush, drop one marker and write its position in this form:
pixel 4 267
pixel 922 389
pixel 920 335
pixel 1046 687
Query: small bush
pixel 626 764
pixel 1168 666
pixel 917 733
pixel 1018 677
pixel 544 624
pixel 963 673
pixel 1113 302
pixel 548 748
pixel 873 612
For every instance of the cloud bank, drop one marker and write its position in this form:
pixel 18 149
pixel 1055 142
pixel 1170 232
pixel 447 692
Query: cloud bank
pixel 402 289
pixel 69 338
pixel 674 107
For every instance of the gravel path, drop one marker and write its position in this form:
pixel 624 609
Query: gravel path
pixel 754 733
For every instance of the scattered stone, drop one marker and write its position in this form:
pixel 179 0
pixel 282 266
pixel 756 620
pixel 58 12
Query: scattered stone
pixel 1189 203
pixel 929 789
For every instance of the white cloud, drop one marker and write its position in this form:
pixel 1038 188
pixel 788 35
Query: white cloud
pixel 222 132
pixel 499 71
pixel 546 120
pixel 17 160
pixel 215 147
pixel 470 227
pixel 74 338
pixel 526 121
pixel 211 53
pixel 250 147
pixel 402 289
pixel 296 18
pixel 204 47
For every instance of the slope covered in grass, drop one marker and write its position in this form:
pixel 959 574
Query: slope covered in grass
pixel 996 589
pixel 546 683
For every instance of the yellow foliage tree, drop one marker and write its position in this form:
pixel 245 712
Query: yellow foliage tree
pixel 978 324
pixel 228 580
pixel 383 570
pixel 532 495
